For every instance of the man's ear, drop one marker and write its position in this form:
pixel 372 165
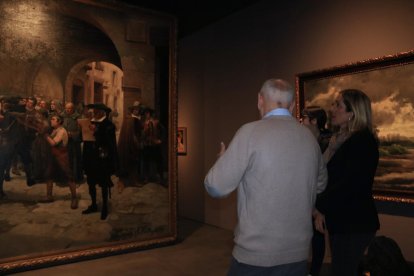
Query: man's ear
pixel 261 105
pixel 314 121
pixel 259 101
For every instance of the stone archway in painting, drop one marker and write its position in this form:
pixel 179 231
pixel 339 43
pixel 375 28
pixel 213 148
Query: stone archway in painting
pixel 136 57
pixel 97 81
pixel 46 83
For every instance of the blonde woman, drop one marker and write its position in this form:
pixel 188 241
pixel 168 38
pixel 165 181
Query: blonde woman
pixel 346 208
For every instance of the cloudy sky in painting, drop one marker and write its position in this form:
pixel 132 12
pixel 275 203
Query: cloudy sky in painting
pixel 391 91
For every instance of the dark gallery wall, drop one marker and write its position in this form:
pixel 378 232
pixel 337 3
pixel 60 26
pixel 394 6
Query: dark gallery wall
pixel 222 67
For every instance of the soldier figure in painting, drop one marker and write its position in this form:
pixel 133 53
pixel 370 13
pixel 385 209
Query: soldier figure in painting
pixel 8 143
pixel 100 158
pixel 130 148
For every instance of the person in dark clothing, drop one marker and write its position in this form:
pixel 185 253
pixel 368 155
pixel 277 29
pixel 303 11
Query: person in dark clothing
pixel 314 117
pixel 18 105
pixel 152 147
pixel 346 208
pixel 24 148
pixel 40 147
pixel 384 258
pixel 10 131
pixel 100 158
pixel 70 123
pixel 130 148
pixel 28 122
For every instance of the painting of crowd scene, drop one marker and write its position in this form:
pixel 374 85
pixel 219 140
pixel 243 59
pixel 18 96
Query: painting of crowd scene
pixel 391 92
pixel 138 204
pixel 84 129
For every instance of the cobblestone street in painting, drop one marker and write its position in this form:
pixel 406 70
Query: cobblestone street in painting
pixel 30 227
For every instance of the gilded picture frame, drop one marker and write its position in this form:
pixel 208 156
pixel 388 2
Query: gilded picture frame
pixel 61 51
pixel 388 81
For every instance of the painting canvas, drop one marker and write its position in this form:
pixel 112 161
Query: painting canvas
pixel 85 53
pixel 389 82
pixel 182 141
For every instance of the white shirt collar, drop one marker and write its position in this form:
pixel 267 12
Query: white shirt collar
pixel 278 112
pixel 98 120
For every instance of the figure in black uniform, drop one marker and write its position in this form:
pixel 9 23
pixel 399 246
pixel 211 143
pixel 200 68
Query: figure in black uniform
pixel 100 157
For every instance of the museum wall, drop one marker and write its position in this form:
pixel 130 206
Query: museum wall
pixel 222 67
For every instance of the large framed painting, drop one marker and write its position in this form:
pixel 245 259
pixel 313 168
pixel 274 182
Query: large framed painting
pixel 93 193
pixel 389 82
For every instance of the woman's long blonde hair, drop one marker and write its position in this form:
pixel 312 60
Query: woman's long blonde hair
pixel 359 104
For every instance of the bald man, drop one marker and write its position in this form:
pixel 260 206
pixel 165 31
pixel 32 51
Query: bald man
pixel 276 166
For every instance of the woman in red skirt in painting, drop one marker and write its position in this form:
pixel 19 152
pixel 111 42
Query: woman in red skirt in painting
pixel 58 169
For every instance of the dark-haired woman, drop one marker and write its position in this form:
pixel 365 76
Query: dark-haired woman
pixel 314 118
pixel 346 208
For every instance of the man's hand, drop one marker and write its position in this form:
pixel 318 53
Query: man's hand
pixel 222 149
pixel 319 221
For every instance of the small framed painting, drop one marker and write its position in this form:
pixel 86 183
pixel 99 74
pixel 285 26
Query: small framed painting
pixel 182 141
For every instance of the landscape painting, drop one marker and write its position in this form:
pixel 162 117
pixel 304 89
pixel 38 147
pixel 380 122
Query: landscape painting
pixel 389 82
